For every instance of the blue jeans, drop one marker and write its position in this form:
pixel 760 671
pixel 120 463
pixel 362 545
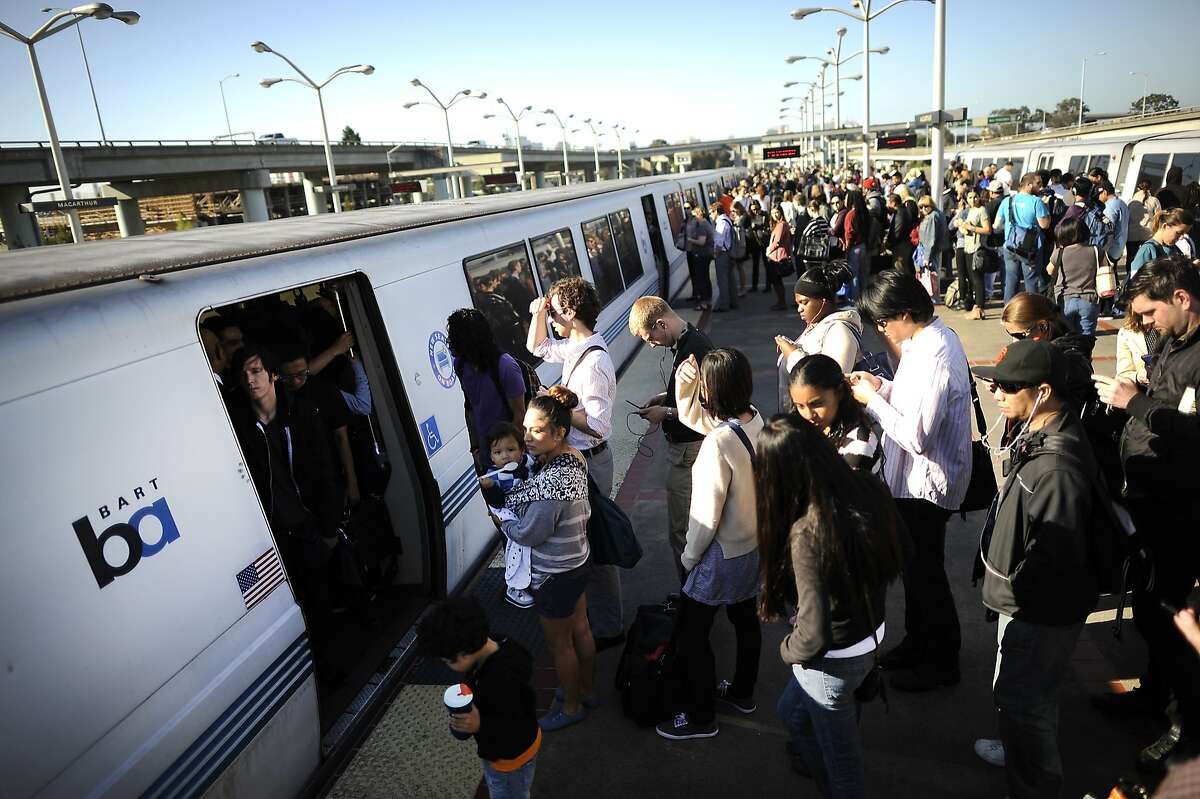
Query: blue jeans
pixel 860 266
pixel 1081 314
pixel 509 784
pixel 1031 660
pixel 1016 267
pixel 820 713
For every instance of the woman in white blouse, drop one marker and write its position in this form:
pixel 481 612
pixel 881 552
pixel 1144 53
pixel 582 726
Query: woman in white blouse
pixel 925 414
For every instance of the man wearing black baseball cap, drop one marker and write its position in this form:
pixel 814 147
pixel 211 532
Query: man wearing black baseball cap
pixel 1039 573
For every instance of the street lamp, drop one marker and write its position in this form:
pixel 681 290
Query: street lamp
pixel 620 164
pixel 836 63
pixel 1145 87
pixel 595 143
pixel 459 96
pixel 563 127
pixel 51 27
pixel 88 68
pixel 516 118
pixel 266 83
pixel 865 15
pixel 1082 78
pixel 221 84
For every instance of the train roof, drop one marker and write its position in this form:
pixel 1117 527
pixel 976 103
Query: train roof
pixel 1072 140
pixel 35 271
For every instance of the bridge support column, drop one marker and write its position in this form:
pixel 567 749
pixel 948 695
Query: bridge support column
pixel 314 199
pixel 20 229
pixel 129 218
pixel 254 195
pixel 539 180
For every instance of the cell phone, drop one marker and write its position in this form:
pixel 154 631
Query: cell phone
pixel 634 404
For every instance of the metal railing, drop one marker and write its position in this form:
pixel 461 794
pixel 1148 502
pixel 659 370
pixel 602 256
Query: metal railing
pixel 226 142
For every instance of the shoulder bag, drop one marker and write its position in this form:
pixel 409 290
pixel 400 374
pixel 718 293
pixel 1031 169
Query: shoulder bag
pixel 1106 276
pixel 1024 245
pixel 610 532
pixel 981 490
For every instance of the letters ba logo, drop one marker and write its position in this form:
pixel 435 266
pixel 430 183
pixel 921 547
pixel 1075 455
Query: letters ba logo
pixel 130 532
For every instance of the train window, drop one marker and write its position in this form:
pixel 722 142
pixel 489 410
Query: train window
pixel 1045 160
pixel 976 165
pixel 714 193
pixel 1018 165
pixel 555 257
pixel 356 442
pixel 1077 165
pixel 502 287
pixel 1190 164
pixel 602 255
pixel 627 248
pixel 690 195
pixel 1152 169
pixel 674 213
pixel 1098 162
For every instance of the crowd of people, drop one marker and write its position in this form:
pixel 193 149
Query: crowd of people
pixel 810 514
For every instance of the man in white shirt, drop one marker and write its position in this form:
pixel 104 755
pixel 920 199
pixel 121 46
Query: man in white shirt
pixel 573 306
pixel 1005 175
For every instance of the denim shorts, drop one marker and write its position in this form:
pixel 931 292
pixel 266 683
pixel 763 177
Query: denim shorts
pixel 557 596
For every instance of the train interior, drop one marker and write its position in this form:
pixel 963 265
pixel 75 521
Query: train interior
pixel 361 594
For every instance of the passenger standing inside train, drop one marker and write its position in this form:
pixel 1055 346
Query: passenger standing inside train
pixel 493 383
pixel 573 306
pixel 827 543
pixel 925 415
pixel 549 514
pixel 699 242
pixel 287 452
pixel 653 321
pixel 1158 452
pixel 720 555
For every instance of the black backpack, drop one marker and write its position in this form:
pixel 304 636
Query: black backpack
pixel 646 672
pixel 1118 553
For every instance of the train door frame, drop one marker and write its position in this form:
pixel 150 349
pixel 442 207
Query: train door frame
pixel 659 248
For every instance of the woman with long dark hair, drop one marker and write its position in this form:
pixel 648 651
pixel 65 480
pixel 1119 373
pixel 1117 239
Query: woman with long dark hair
pixel 827 544
pixel 720 555
pixel 779 256
pixel 856 230
pixel 493 383
pixel 819 392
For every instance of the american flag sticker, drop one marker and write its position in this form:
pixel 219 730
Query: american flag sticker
pixel 260 578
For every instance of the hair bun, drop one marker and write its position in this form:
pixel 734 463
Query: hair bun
pixel 563 396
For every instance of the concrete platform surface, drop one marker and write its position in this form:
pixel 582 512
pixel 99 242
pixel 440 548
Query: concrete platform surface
pixel 920 747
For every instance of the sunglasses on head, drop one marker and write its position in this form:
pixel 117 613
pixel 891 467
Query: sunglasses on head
pixel 1020 334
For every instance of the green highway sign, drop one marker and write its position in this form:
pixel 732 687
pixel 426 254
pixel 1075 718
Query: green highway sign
pixel 1002 119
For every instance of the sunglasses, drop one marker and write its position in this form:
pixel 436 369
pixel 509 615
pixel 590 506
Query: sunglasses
pixel 1020 335
pixel 1011 388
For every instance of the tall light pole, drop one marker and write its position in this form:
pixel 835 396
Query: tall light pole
pixel 516 118
pixel 595 143
pixel 1145 87
pixel 1082 79
pixel 266 83
pixel 221 84
pixel 459 96
pixel 566 163
pixel 836 63
pixel 864 16
pixel 87 68
pixel 60 22
pixel 620 164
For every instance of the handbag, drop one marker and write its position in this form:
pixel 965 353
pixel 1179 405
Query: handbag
pixel 929 279
pixel 981 490
pixel 1106 277
pixel 610 532
pixel 985 261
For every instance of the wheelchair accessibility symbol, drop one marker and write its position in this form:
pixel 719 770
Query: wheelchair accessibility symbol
pixel 431 436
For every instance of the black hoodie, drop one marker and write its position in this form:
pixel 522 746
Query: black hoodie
pixel 1039 542
pixel 505 699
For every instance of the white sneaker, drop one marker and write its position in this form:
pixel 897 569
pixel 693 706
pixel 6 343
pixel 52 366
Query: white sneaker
pixel 991 751
pixel 519 597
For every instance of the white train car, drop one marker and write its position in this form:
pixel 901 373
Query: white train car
pixel 146 648
pixel 1129 158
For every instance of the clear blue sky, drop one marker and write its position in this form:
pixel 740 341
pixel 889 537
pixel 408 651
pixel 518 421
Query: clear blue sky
pixel 673 70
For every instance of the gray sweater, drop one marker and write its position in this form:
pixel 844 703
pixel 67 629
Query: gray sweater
pixel 555 530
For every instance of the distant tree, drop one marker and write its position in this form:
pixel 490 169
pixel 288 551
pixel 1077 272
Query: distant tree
pixel 350 136
pixel 1065 113
pixel 1154 102
pixel 659 143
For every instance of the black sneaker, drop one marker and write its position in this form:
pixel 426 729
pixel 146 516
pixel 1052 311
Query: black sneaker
pixel 740 704
pixel 681 728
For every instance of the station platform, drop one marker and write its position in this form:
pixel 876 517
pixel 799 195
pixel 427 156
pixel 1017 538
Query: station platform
pixel 922 746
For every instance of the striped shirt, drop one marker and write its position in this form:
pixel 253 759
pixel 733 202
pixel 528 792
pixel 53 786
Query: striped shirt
pixel 860 449
pixel 925 414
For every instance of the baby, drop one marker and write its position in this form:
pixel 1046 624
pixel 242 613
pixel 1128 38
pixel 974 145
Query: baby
pixel 506 444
